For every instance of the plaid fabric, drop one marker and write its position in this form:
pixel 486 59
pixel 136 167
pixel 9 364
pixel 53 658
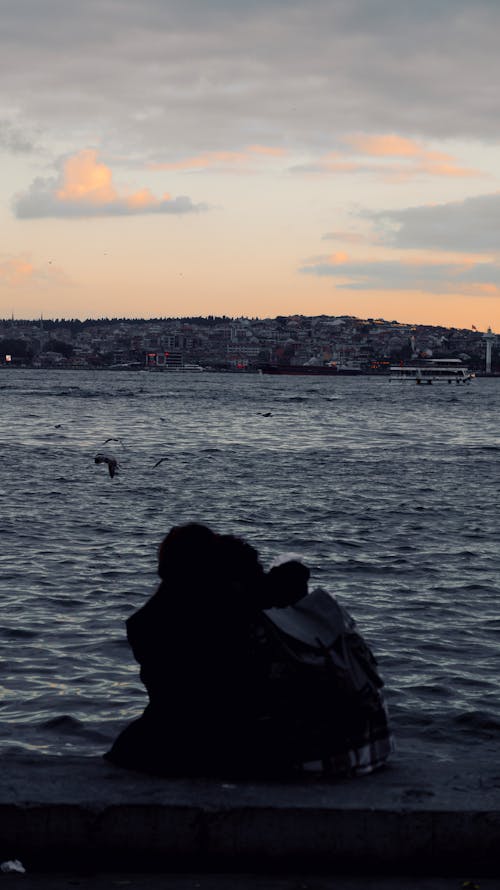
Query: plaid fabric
pixel 364 750
pixel 310 717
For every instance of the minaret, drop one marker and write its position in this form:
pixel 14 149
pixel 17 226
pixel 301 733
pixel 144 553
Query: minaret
pixel 489 336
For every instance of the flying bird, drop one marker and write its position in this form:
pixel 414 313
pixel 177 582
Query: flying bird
pixel 109 460
pixel 111 440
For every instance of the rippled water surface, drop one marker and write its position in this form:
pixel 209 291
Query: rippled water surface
pixel 391 493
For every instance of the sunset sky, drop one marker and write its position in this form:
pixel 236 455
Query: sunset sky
pixel 251 157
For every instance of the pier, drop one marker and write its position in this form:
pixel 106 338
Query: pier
pixel 425 817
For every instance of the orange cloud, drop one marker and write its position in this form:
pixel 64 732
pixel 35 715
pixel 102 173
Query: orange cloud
pixel 85 179
pixel 483 290
pixel 409 159
pixel 85 188
pixel 16 271
pixel 447 167
pixel 339 257
pixel 211 159
pixel 19 272
pixel 144 198
pixel 435 163
pixel 383 146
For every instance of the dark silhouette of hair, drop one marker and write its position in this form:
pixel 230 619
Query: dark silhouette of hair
pixel 227 568
pixel 187 552
pixel 286 584
pixel 216 568
pixel 240 573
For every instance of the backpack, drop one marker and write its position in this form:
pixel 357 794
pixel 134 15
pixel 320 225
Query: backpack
pixel 326 683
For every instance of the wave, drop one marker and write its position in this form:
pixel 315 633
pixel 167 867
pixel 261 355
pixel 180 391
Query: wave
pixel 64 724
pixel 477 721
pixel 387 478
pixel 17 633
pixel 78 393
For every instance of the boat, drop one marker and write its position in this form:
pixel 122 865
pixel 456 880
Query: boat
pixel 169 362
pixel 351 368
pixel 434 370
pixel 329 370
pixel 300 370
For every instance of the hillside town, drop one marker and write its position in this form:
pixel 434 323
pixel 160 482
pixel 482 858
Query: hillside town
pixel 236 344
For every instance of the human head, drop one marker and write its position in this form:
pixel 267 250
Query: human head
pixel 186 552
pixel 241 573
pixel 286 584
pixel 222 567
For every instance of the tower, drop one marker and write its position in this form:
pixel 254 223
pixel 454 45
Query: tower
pixel 489 337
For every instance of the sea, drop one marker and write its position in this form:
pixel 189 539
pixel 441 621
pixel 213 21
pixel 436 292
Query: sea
pixel 388 491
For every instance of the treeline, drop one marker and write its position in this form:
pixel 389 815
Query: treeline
pixel 76 324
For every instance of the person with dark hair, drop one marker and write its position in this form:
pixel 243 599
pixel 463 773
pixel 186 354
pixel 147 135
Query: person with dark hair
pixel 192 640
pixel 239 682
pixel 285 584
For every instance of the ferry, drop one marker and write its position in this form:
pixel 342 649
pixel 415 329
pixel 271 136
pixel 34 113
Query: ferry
pixel 434 370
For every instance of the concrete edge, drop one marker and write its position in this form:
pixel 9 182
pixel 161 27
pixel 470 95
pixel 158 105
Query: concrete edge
pixel 102 818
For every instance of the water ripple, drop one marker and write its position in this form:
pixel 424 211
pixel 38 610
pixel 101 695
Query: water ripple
pixel 389 493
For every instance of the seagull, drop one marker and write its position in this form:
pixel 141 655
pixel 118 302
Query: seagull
pixel 110 461
pixel 111 440
pixel 265 414
pixel 158 462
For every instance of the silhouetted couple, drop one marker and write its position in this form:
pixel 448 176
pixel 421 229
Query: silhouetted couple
pixel 247 674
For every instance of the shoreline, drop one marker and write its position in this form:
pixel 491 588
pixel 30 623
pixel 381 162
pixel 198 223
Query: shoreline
pixel 254 372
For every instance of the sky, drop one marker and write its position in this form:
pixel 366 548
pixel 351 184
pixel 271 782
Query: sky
pixel 251 158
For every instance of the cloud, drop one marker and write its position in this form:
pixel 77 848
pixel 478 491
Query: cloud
pixel 269 150
pixel 221 159
pixel 409 159
pixel 19 271
pixel 15 271
pixel 466 277
pixel 469 225
pixel 84 188
pixel 347 237
pixel 385 145
pixel 14 140
pixel 435 163
pixel 223 73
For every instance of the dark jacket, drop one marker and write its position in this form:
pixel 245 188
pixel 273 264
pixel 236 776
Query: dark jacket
pixel 204 669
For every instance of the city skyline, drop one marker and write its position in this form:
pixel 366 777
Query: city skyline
pixel 258 160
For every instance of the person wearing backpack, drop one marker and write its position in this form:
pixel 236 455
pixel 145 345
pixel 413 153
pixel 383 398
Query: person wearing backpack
pixel 328 691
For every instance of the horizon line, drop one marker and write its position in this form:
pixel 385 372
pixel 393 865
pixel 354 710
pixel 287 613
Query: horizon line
pixel 162 318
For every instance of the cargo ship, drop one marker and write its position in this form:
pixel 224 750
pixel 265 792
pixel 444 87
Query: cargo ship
pixel 331 370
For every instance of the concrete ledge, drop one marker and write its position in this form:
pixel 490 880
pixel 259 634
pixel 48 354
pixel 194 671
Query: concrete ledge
pixel 57 813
